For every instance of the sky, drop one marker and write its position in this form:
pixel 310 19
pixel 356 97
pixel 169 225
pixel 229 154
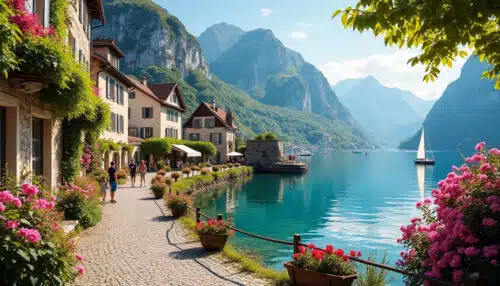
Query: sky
pixel 310 30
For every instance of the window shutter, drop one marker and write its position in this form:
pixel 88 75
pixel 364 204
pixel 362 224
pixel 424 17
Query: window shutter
pixel 107 87
pixel 121 124
pixel 117 92
pixel 220 138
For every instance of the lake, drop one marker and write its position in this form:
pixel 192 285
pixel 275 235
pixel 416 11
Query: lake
pixel 353 201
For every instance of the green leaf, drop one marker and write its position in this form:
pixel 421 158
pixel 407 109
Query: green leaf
pixel 26 222
pixel 344 19
pixel 336 13
pixel 23 254
pixel 497 84
pixel 449 63
pixel 481 57
pixel 463 54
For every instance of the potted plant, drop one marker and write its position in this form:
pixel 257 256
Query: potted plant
pixel 122 177
pixel 214 233
pixel 178 204
pixel 161 173
pixel 158 189
pixel 216 168
pixel 312 266
pixel 205 171
pixel 175 176
pixel 187 171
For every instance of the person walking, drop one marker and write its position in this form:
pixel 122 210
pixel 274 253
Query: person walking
pixel 142 172
pixel 104 188
pixel 112 181
pixel 133 172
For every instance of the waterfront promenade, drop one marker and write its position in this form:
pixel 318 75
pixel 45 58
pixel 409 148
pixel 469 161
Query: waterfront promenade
pixel 138 243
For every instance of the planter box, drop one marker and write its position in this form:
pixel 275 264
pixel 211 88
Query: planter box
pixel 177 213
pixel 158 194
pixel 213 242
pixel 304 277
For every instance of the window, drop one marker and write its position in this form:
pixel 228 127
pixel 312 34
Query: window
pixel 172 115
pixel 119 93
pixel 3 111
pixel 107 87
pixel 112 89
pixel 133 132
pixel 30 6
pixel 194 136
pixel 37 146
pixel 209 122
pixel 131 95
pixel 80 10
pixel 80 56
pixel 216 138
pixel 171 132
pixel 146 132
pixel 147 112
pixel 197 123
pixel 120 126
pixel 112 124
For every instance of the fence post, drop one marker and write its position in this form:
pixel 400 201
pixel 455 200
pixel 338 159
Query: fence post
pixel 219 217
pixel 296 243
pixel 198 215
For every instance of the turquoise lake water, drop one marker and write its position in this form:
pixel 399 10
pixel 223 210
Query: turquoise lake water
pixel 353 201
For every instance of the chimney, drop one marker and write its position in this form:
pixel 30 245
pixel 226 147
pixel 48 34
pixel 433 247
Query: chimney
pixel 229 117
pixel 212 104
pixel 144 81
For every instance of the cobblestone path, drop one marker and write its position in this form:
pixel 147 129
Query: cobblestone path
pixel 136 244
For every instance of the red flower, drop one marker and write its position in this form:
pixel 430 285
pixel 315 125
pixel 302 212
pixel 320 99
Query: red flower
pixel 352 253
pixel 339 252
pixel 302 249
pixel 311 246
pixel 358 254
pixel 329 248
pixel 296 256
pixel 317 254
pixel 345 258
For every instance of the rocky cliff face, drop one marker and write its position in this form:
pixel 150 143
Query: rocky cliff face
pixel 218 38
pixel 288 91
pixel 149 35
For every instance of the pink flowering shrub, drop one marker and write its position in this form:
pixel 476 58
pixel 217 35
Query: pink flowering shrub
pixel 33 248
pixel 458 236
pixel 80 201
pixel 28 23
pixel 91 159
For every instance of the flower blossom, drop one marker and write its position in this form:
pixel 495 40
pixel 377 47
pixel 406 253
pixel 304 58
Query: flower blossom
pixel 489 222
pixel 480 146
pixel 80 269
pixel 79 257
pixel 6 197
pixel 2 207
pixel 29 190
pixel 12 224
pixel 31 235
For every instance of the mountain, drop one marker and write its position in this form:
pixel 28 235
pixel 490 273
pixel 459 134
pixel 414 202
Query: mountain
pixel 387 113
pixel 149 35
pixel 466 113
pixel 157 44
pixel 256 63
pixel 218 38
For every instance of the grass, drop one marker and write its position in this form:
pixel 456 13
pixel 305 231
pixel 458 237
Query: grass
pixel 373 276
pixel 246 262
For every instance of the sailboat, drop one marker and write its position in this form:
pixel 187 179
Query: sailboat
pixel 421 159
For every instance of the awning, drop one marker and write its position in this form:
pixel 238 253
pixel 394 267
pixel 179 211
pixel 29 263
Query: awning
pixel 234 154
pixel 185 149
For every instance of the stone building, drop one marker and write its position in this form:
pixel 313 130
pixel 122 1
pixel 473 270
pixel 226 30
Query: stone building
pixel 30 135
pixel 114 88
pixel 264 153
pixel 213 124
pixel 155 110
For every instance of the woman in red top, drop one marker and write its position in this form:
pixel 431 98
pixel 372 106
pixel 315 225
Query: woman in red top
pixel 143 169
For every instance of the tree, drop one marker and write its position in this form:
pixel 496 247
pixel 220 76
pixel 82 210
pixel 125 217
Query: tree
pixel 443 29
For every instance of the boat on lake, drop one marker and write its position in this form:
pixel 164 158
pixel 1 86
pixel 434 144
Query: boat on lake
pixel 357 152
pixel 305 154
pixel 421 158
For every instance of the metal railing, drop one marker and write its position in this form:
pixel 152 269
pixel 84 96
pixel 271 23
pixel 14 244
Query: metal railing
pixel 297 242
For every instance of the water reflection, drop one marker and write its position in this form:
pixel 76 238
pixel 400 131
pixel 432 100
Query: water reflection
pixel 352 201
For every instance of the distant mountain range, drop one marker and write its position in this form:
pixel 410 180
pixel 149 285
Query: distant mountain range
pixel 466 113
pixel 158 45
pixel 258 62
pixel 390 114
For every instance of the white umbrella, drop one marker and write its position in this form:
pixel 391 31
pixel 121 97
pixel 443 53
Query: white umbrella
pixel 234 154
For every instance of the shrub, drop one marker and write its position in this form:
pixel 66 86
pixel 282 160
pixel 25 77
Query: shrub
pixel 205 171
pixel 158 190
pixel 33 248
pixel 121 174
pixel 266 136
pixel 179 202
pixel 186 171
pixel 168 181
pixel 161 173
pixel 98 175
pixel 175 176
pixel 216 176
pixel 457 236
pixel 332 261
pixel 230 165
pixel 160 164
pixel 215 227
pixel 195 168
pixel 216 168
pixel 79 204
pixel 167 168
pixel 125 170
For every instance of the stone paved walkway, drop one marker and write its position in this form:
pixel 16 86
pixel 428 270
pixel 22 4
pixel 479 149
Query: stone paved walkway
pixel 135 244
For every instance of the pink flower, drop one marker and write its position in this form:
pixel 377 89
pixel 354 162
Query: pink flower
pixel 457 276
pixel 80 269
pixel 493 262
pixel 6 197
pixel 79 257
pixel 494 151
pixel 17 202
pixel 480 146
pixel 53 198
pixel 12 224
pixel 471 251
pixel 427 201
pixel 489 222
pixel 456 261
pixel 418 205
pixel 29 190
pixel 2 207
pixel 31 235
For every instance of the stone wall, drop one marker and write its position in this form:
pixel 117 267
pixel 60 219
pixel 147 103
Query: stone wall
pixel 264 153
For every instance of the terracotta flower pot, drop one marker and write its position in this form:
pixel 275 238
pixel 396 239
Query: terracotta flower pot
pixel 213 242
pixel 304 277
pixel 177 213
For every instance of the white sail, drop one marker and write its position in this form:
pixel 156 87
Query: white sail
pixel 421 181
pixel 421 146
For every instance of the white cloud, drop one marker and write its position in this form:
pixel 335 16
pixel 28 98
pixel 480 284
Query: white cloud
pixel 303 25
pixel 393 71
pixel 299 35
pixel 265 12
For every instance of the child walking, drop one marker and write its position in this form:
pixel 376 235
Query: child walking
pixel 104 187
